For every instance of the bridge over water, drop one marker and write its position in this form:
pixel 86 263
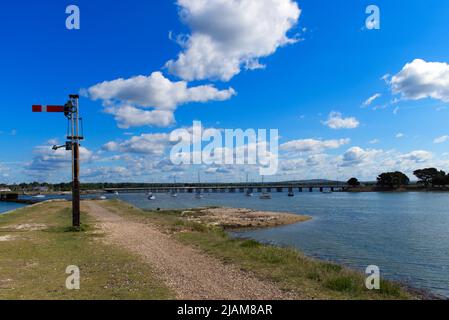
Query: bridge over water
pixel 232 188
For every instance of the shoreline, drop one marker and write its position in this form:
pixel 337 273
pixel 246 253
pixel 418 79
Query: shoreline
pixel 403 189
pixel 229 228
pixel 200 224
pixel 31 205
pixel 421 293
pixel 240 219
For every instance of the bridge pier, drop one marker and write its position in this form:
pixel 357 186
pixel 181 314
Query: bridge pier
pixel 231 188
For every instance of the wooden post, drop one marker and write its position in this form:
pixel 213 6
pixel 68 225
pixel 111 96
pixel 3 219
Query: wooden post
pixel 75 138
pixel 76 187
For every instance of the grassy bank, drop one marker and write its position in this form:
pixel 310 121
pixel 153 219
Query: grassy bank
pixel 36 247
pixel 290 269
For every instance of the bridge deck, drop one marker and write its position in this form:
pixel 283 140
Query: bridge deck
pixel 230 188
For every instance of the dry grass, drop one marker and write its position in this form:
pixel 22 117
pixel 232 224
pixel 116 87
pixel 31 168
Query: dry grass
pixel 287 267
pixel 34 260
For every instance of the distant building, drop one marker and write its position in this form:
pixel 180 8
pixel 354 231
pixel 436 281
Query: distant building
pixel 41 189
pixel 5 190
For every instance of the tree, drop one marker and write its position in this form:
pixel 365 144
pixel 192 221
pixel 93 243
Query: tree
pixel 392 179
pixel 430 176
pixel 353 182
pixel 440 180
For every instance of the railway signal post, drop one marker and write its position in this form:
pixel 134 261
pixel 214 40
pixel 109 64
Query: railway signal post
pixel 74 136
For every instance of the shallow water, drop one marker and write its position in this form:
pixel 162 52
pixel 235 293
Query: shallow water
pixel 5 206
pixel 405 234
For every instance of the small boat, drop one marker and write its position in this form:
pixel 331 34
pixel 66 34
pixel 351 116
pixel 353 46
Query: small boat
pixel 103 198
pixel 116 193
pixel 199 196
pixel 291 194
pixel 151 196
pixel 248 192
pixel 173 193
pixel 265 196
pixel 39 196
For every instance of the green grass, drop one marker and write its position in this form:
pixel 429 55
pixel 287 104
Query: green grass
pixel 290 269
pixel 33 264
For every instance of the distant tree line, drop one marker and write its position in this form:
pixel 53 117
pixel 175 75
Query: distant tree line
pixel 67 186
pixel 393 179
pixel 432 177
pixel 429 178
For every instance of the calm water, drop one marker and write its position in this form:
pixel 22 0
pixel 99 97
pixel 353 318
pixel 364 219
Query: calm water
pixel 405 234
pixel 4 207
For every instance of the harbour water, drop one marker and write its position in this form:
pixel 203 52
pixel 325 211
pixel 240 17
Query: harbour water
pixel 405 234
pixel 6 206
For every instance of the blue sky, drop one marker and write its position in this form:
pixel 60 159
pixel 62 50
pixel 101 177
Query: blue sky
pixel 323 66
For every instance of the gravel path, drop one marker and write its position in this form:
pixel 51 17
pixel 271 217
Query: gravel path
pixel 192 274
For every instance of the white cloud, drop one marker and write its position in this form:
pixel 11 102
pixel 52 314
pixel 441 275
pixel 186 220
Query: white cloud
pixel 155 144
pixel 356 156
pixel 48 163
pixel 127 99
pixel 218 170
pixel 386 78
pixel 129 116
pixel 371 99
pixel 418 156
pixel 365 164
pixel 156 91
pixel 312 145
pixel 396 110
pixel 374 141
pixel 336 121
pixel 400 135
pixel 227 35
pixel 111 146
pixel 420 79
pixel 107 173
pixel 316 160
pixel 442 139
